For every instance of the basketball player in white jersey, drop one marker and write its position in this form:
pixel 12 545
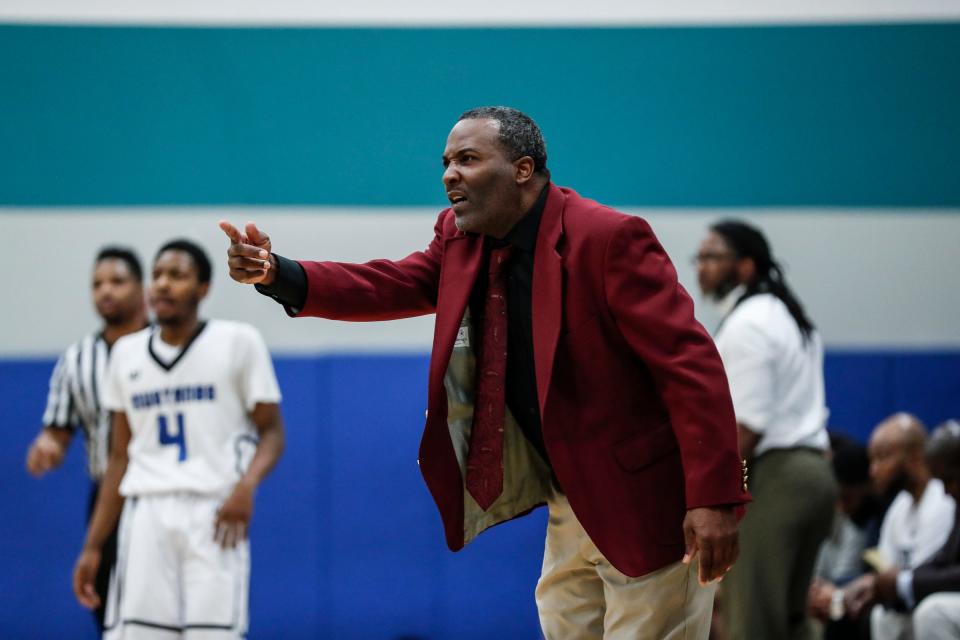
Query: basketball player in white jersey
pixel 196 428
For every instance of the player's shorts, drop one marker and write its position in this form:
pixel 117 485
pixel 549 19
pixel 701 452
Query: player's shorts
pixel 172 580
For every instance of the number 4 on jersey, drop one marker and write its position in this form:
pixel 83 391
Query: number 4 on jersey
pixel 178 438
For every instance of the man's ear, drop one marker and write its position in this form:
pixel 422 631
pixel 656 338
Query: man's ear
pixel 204 290
pixel 524 169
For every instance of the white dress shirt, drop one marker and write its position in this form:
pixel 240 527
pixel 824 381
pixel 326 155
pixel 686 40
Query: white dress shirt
pixel 912 531
pixel 776 377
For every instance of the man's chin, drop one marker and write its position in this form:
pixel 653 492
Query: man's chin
pixel 117 316
pixel 464 222
pixel 718 293
pixel 167 319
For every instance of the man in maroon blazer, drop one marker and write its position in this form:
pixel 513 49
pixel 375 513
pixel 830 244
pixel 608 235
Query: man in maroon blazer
pixel 567 369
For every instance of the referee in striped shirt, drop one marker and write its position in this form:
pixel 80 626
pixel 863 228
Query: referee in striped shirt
pixel 77 381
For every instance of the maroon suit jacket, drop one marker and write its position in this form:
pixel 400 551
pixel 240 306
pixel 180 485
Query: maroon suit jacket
pixel 636 410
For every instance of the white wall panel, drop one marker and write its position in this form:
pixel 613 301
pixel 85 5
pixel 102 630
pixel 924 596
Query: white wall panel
pixel 491 12
pixel 870 279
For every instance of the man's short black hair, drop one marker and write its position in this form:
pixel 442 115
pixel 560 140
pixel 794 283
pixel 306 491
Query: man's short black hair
pixel 199 256
pixel 114 252
pixel 943 446
pixel 851 463
pixel 519 134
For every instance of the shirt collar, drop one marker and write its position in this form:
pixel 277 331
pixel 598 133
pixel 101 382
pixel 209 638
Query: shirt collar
pixel 726 304
pixel 523 236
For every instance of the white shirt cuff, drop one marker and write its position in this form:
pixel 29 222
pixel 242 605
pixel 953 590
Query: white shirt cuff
pixel 905 587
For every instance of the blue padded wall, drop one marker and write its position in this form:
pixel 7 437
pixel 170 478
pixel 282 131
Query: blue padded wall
pixel 346 540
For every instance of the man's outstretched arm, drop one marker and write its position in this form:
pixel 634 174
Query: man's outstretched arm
pixel 372 291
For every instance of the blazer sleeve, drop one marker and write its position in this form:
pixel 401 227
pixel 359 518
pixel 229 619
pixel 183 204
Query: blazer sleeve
pixel 655 315
pixel 375 290
pixel 942 571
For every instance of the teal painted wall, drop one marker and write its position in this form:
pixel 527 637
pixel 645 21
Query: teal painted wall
pixel 842 116
pixel 763 116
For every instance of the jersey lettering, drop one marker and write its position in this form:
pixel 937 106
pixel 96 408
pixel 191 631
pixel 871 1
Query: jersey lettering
pixel 174 395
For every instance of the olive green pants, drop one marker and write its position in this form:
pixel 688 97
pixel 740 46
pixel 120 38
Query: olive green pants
pixel 764 596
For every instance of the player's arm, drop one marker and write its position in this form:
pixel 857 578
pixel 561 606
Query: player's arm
pixel 48 449
pixel 105 515
pixel 233 518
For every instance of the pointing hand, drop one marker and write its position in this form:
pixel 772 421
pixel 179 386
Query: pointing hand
pixel 249 256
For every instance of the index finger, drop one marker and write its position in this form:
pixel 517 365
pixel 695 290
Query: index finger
pixel 232 232
pixel 722 556
pixel 706 562
pixel 255 235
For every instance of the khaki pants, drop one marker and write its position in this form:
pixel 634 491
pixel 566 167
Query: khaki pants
pixel 581 596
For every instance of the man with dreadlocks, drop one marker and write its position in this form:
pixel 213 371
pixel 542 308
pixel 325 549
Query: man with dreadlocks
pixel 774 361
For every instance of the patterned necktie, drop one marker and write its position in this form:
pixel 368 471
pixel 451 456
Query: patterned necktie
pixel 485 457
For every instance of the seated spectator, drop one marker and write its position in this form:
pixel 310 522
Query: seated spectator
pixel 916 526
pixel 856 528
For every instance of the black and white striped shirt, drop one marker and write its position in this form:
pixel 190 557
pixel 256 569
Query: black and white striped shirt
pixel 74 398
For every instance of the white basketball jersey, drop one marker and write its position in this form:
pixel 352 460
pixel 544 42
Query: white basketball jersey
pixel 190 415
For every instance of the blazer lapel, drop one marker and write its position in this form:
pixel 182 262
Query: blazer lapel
pixel 547 292
pixel 462 257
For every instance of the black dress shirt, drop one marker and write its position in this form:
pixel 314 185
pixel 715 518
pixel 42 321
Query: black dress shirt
pixel 289 288
pixel 521 388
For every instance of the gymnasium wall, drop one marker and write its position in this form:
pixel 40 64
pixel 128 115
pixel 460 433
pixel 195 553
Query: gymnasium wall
pixel 832 125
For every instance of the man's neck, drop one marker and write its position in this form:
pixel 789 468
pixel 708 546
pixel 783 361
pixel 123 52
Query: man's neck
pixel 528 198
pixel 530 195
pixel 725 303
pixel 918 486
pixel 177 334
pixel 115 331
